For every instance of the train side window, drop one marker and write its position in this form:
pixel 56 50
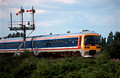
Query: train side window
pixel 54 42
pixel 17 45
pixel 58 42
pixel 80 41
pixel 76 41
pixel 62 42
pixel 51 42
pixel 8 45
pixel 48 43
pixel 28 44
pixel 40 43
pixel 14 45
pixel 34 43
pixel 11 45
pixel 66 42
pixel 2 45
pixel 44 43
pixel 70 41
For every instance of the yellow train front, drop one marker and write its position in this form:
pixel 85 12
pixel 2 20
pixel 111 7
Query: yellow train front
pixel 90 45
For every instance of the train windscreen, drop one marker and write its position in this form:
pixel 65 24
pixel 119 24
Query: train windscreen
pixel 92 40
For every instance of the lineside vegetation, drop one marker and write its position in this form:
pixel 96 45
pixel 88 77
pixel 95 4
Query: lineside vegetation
pixel 28 66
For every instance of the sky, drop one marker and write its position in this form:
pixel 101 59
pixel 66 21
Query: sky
pixel 60 16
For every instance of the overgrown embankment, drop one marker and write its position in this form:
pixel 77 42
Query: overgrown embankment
pixel 28 66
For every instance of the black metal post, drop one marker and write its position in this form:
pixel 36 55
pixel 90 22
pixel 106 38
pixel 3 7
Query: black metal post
pixel 24 37
pixel 11 19
pixel 33 18
pixel 24 28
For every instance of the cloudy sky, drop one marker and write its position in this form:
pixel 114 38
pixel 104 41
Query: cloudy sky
pixel 60 16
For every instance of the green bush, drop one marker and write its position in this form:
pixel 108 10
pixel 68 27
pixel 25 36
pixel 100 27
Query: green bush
pixel 26 54
pixel 111 67
pixel 102 58
pixel 27 66
pixel 98 74
pixel 113 49
pixel 73 74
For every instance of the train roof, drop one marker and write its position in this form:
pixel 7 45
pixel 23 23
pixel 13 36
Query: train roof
pixel 43 36
pixel 68 34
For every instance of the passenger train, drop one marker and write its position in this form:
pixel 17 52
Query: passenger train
pixel 85 44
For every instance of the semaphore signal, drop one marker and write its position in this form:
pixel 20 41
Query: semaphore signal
pixel 31 10
pixel 23 25
pixel 21 11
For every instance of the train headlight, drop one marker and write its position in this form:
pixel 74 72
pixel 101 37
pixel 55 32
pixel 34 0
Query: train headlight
pixel 98 47
pixel 87 47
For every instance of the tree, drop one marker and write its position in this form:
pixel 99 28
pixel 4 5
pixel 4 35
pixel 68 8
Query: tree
pixel 50 34
pixel 113 49
pixel 13 35
pixel 9 36
pixel 117 36
pixel 110 38
pixel 17 34
pixel 68 31
pixel 103 41
pixel 21 35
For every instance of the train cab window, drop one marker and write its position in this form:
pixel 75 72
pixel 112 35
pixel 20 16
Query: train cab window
pixel 76 41
pixel 70 41
pixel 80 41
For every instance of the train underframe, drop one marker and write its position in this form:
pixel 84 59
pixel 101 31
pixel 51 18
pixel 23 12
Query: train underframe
pixel 59 54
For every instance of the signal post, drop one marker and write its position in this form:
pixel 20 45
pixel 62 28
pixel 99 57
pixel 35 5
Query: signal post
pixel 22 25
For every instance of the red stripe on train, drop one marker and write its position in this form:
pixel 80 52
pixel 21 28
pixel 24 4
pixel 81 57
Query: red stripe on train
pixel 42 49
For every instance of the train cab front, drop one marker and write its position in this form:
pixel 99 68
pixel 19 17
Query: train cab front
pixel 91 45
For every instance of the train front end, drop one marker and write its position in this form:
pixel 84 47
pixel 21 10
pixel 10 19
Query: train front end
pixel 91 45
